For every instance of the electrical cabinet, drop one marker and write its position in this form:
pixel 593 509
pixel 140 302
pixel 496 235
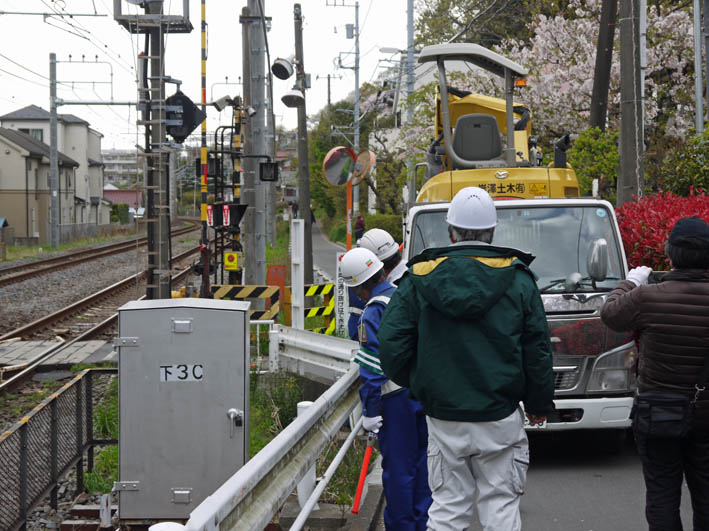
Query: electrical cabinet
pixel 183 403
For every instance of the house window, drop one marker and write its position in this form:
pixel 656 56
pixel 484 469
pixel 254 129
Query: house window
pixel 37 134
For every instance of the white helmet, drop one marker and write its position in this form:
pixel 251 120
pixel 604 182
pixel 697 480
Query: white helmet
pixel 379 242
pixel 359 265
pixel 472 208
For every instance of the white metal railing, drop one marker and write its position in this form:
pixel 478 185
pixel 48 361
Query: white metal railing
pixel 249 499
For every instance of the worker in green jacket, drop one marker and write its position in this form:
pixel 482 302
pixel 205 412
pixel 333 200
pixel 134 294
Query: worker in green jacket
pixel 466 332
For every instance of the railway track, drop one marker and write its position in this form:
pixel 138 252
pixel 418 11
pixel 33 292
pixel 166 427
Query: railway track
pixel 94 317
pixel 18 273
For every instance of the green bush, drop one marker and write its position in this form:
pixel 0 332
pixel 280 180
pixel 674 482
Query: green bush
pixel 388 222
pixel 594 155
pixel 119 213
pixel 687 167
pixel 338 233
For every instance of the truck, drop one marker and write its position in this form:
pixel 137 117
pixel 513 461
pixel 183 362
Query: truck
pixel 579 260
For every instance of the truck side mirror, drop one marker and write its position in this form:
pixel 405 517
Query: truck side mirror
pixel 571 284
pixel 597 260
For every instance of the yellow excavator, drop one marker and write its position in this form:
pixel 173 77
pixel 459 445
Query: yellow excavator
pixel 487 142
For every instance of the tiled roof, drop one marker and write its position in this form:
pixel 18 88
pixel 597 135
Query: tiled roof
pixel 34 112
pixel 34 146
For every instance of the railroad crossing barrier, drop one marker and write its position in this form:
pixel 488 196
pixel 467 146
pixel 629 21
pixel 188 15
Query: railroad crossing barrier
pixel 45 444
pixel 234 292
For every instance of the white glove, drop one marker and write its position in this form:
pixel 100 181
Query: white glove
pixel 639 275
pixel 372 424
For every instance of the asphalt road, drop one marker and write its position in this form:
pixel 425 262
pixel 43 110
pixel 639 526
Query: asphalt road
pixel 574 483
pixel 324 252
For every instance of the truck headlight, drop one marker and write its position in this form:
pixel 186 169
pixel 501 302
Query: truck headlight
pixel 613 371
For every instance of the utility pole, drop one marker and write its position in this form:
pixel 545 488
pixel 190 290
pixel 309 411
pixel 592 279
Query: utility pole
pixel 706 46
pixel 631 178
pixel 604 59
pixel 355 191
pixel 248 163
pixel 699 114
pixel 409 91
pixel 258 136
pixel 303 169
pixel 53 160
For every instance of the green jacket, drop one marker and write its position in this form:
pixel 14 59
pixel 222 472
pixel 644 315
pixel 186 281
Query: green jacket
pixel 466 332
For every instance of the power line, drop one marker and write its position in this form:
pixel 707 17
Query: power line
pixel 24 67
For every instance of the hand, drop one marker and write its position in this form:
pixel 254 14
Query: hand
pixel 639 275
pixel 534 419
pixel 372 424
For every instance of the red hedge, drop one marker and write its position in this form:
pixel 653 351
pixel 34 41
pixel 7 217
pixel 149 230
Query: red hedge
pixel 645 224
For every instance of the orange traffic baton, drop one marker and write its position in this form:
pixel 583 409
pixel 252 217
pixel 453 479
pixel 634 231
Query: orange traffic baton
pixel 363 473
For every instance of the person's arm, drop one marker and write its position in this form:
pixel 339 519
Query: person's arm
pixel 621 310
pixel 536 357
pixel 398 333
pixel 370 373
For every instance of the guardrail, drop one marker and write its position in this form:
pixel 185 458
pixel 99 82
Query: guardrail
pixel 249 499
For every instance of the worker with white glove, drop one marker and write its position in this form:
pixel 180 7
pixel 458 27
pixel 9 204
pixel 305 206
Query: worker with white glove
pixel 639 275
pixel 388 411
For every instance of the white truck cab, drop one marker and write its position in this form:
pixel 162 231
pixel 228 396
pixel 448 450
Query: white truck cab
pixel 579 259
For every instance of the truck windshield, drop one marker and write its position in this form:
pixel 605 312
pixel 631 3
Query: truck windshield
pixel 559 237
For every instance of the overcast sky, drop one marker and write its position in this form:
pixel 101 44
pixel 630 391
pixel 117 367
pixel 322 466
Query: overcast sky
pixel 28 40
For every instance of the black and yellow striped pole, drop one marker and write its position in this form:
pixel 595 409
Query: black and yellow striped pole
pixel 204 242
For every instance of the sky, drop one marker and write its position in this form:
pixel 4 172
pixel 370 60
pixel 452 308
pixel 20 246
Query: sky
pixel 109 53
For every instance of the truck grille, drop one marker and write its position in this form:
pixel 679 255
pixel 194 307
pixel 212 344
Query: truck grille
pixel 567 372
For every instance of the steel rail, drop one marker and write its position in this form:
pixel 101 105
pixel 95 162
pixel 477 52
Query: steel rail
pixel 27 369
pixel 76 307
pixel 60 262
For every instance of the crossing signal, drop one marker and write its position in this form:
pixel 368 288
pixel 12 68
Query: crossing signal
pixel 183 116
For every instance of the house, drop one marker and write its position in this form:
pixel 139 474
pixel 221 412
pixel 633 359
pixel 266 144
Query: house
pixel 132 197
pixel 24 186
pixel 75 139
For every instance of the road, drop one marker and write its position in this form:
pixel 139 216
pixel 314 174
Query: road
pixel 573 484
pixel 324 252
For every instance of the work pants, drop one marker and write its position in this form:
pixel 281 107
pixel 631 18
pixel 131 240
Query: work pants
pixel 489 459
pixel 665 463
pixel 402 441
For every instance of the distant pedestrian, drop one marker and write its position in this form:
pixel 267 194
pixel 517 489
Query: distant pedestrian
pixel 671 410
pixel 388 411
pixel 466 332
pixel 359 226
pixel 294 209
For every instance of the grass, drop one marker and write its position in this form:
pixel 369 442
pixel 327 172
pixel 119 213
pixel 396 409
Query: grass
pixel 343 485
pixel 15 252
pixel 105 472
pixel 20 403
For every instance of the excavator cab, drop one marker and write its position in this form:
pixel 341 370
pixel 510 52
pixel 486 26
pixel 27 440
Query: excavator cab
pixel 485 141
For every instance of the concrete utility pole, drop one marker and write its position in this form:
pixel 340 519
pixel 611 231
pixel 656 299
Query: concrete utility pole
pixel 604 60
pixel 706 46
pixel 409 92
pixel 631 178
pixel 53 160
pixel 248 163
pixel 258 132
pixel 699 115
pixel 303 169
pixel 355 190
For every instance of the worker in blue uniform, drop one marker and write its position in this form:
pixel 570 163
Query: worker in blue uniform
pixel 388 411
pixel 356 307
